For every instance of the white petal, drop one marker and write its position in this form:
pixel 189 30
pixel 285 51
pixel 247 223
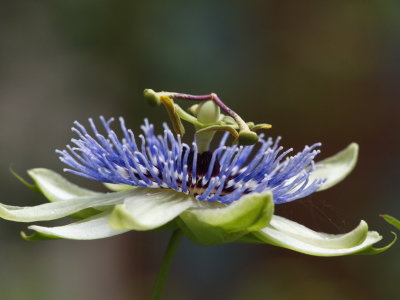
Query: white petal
pixel 150 208
pixel 291 235
pixel 55 187
pixel 337 167
pixel 118 187
pixel 55 210
pixel 334 241
pixel 88 229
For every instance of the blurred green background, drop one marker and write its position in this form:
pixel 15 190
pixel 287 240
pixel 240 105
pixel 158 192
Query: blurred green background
pixel 317 70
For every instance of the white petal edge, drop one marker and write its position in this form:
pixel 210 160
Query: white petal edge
pixel 335 168
pixel 302 239
pixel 149 208
pixel 88 229
pixel 59 209
pixel 55 187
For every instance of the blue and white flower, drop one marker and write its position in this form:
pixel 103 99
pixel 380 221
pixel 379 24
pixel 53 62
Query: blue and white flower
pixel 160 182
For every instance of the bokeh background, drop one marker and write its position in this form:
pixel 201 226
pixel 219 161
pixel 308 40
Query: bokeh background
pixel 317 70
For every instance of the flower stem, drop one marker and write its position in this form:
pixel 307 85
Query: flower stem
pixel 166 263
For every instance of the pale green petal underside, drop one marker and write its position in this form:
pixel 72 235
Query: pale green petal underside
pixel 210 226
pixel 55 187
pixel 149 208
pixel 59 209
pixel 291 235
pixel 95 227
pixel 392 220
pixel 118 187
pixel 335 168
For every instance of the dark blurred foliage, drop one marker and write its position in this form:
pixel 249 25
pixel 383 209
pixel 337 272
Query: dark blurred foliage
pixel 317 70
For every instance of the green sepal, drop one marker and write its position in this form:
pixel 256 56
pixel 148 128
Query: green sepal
pixel 218 225
pixel 38 236
pixel 391 220
pixel 372 250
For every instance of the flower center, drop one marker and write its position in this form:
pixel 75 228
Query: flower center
pixel 204 164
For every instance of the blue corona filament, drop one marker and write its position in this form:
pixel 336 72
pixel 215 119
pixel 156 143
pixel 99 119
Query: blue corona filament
pixel 164 161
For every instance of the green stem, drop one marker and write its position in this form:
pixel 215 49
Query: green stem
pixel 166 263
